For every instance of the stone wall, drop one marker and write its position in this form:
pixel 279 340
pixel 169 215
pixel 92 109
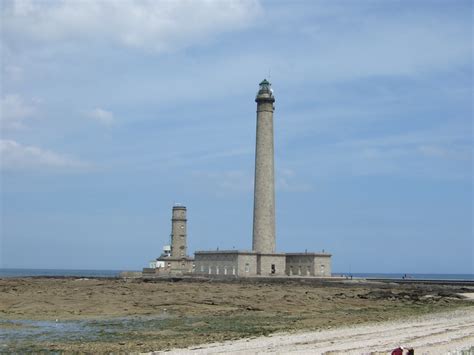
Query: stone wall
pixel 247 265
pixel 271 264
pixel 225 263
pixel 216 263
pixel 308 264
pixel 174 267
pixel 323 265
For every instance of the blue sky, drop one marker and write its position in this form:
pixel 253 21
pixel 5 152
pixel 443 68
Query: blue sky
pixel 114 111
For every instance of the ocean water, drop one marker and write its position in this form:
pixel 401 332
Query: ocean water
pixel 58 272
pixel 413 276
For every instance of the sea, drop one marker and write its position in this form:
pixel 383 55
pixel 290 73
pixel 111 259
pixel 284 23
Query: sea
pixel 116 273
pixel 413 276
pixel 58 272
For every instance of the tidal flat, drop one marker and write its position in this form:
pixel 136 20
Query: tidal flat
pixel 115 315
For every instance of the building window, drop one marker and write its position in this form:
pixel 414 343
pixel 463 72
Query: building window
pixel 291 270
pixel 299 270
pixel 210 270
pixel 308 270
pixel 273 268
pixel 247 267
pixel 322 269
pixel 233 270
pixel 225 270
pixel 217 270
pixel 202 268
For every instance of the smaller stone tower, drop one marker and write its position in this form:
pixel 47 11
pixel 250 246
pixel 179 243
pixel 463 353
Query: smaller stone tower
pixel 178 232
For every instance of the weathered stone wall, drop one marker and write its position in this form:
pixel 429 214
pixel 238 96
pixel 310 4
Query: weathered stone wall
pixel 247 265
pixel 300 265
pixel 308 264
pixel 218 263
pixel 322 266
pixel 265 262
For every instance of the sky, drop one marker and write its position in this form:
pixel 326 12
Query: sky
pixel 113 111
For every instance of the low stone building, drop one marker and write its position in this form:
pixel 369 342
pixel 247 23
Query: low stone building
pixel 238 263
pixel 308 264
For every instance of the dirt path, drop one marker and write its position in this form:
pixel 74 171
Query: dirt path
pixel 429 334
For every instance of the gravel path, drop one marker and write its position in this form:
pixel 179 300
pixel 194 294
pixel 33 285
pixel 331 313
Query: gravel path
pixel 430 334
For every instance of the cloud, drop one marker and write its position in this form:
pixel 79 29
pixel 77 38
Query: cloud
pixel 286 180
pixel 224 182
pixel 449 153
pixel 443 153
pixel 102 116
pixel 156 25
pixel 15 156
pixel 14 111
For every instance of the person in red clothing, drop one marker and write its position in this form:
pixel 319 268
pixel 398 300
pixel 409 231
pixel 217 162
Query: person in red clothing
pixel 399 351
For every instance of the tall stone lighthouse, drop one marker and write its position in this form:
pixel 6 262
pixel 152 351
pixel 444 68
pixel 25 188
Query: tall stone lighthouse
pixel 264 193
pixel 262 260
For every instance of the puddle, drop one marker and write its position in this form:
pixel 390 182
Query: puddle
pixel 26 331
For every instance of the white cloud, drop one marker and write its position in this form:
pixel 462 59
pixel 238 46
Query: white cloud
pixel 16 156
pixel 148 24
pixel 14 110
pixel 102 116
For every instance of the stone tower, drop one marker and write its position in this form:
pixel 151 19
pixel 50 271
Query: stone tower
pixel 264 188
pixel 178 232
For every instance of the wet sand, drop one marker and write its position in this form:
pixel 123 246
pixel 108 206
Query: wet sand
pixel 132 315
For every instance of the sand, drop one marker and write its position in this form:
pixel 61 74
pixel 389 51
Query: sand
pixel 442 333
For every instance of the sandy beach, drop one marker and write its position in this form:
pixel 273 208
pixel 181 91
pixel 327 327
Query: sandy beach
pixel 117 315
pixel 442 333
